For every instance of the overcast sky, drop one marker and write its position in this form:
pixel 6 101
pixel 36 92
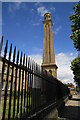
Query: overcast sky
pixel 22 25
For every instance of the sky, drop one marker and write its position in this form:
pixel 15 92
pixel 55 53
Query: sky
pixel 22 25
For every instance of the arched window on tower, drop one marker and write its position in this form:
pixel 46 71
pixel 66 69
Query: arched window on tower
pixel 46 72
pixel 50 71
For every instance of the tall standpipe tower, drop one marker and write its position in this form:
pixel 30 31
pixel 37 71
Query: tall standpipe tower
pixel 48 62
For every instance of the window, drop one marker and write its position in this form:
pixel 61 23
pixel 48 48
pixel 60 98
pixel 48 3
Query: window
pixel 50 71
pixel 45 71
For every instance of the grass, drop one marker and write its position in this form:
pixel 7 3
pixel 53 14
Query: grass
pixel 12 102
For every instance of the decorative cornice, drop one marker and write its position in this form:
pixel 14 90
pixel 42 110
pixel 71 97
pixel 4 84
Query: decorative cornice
pixel 49 65
pixel 47 21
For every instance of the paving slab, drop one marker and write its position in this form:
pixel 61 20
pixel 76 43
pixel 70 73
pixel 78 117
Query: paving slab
pixel 71 111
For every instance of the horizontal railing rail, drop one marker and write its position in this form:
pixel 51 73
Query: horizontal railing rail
pixel 31 71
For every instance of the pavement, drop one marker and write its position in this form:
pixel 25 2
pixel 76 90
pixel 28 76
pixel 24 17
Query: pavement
pixel 71 110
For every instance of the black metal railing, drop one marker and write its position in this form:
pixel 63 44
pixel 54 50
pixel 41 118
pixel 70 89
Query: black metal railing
pixel 26 88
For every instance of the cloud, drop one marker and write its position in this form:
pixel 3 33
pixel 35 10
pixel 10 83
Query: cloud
pixel 56 31
pixel 63 61
pixel 32 10
pixel 38 50
pixel 16 6
pixel 37 58
pixel 42 10
pixel 37 4
pixel 36 24
pixel 52 8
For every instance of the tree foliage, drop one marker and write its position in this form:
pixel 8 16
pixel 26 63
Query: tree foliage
pixel 75 36
pixel 75 66
pixel 75 18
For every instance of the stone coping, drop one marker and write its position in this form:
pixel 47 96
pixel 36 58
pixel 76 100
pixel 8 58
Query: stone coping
pixel 50 64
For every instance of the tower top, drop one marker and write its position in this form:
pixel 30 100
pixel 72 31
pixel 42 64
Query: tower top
pixel 47 16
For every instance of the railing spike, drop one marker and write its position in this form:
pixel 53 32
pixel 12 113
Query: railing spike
pixel 10 51
pixel 1 45
pixel 26 61
pixel 14 54
pixel 21 58
pixel 32 64
pixel 5 51
pixel 18 57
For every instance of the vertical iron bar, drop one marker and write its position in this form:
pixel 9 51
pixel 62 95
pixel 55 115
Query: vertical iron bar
pixel 35 85
pixel 31 84
pixel 10 97
pixel 1 70
pixel 5 53
pixel 22 87
pixel 19 87
pixel 25 85
pixel 15 86
pixel 1 45
pixel 28 87
pixel 32 88
pixel 5 95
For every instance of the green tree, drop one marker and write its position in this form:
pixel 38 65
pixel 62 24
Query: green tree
pixel 75 67
pixel 75 36
pixel 75 18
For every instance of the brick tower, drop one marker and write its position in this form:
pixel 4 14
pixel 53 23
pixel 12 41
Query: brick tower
pixel 48 62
